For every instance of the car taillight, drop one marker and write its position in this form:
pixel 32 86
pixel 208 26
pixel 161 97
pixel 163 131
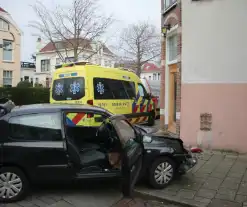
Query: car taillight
pixel 90 102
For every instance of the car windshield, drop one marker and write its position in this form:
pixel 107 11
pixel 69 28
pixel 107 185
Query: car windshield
pixel 127 133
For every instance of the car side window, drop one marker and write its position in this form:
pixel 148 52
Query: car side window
pixel 142 90
pixel 36 127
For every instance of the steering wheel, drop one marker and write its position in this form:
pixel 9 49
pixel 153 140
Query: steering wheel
pixel 3 111
pixel 105 130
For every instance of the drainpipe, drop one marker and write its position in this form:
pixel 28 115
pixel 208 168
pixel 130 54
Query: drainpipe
pixel 162 84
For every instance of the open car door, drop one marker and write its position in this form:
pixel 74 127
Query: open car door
pixel 132 153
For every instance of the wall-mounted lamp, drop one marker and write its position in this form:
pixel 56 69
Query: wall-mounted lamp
pixel 165 28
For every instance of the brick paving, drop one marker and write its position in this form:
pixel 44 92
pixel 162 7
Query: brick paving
pixel 219 180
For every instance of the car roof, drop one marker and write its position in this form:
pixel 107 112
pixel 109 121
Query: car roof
pixel 48 108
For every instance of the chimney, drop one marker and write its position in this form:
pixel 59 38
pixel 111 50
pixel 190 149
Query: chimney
pixel 39 44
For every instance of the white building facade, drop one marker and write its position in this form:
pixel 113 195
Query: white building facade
pixel 151 71
pixel 47 58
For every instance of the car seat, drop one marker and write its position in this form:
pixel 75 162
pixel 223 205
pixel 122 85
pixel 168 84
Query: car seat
pixel 86 157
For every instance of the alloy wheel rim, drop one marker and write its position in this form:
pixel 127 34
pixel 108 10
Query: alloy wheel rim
pixel 10 185
pixel 163 173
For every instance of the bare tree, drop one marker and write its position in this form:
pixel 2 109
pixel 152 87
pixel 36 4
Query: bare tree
pixel 140 43
pixel 72 28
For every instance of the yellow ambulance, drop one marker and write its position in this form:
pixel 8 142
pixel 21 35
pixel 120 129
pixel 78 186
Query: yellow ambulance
pixel 120 91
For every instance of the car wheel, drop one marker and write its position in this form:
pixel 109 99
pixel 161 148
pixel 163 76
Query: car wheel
pixel 151 119
pixel 161 172
pixel 13 184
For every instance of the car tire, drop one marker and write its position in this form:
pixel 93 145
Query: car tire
pixel 20 184
pixel 160 164
pixel 151 119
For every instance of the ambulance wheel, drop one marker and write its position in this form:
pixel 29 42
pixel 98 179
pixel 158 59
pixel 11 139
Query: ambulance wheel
pixel 151 119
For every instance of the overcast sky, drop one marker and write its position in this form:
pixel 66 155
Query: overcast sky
pixel 125 12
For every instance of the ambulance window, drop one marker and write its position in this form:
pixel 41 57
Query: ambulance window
pixel 141 90
pixel 117 89
pixel 68 89
pixel 130 88
pixel 102 89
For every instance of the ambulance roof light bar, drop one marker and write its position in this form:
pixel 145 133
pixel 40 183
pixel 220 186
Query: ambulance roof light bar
pixel 72 64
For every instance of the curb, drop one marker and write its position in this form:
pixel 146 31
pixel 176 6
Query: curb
pixel 165 200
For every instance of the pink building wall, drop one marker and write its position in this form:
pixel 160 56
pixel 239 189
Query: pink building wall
pixel 214 73
pixel 227 103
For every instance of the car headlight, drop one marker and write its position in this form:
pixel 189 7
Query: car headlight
pixel 147 139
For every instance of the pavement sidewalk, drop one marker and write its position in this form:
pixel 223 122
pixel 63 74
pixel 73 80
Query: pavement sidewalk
pixel 219 180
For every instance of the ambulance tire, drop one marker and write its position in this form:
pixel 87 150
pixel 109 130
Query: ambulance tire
pixel 151 119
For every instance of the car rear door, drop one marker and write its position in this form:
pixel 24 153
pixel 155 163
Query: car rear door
pixel 132 153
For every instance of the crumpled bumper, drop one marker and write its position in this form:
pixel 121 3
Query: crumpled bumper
pixel 188 164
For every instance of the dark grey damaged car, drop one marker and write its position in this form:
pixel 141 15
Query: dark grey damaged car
pixel 37 145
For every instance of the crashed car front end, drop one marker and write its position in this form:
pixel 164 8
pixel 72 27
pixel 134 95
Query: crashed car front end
pixel 170 146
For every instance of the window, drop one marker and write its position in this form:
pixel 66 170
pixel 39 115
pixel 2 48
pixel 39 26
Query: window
pixel 4 25
pixel 150 77
pixel 68 89
pixel 69 59
pixel 36 127
pixel 142 90
pixel 173 47
pixel 127 133
pixel 31 80
pixel 45 65
pixel 102 89
pixel 158 76
pixel 26 78
pixel 113 89
pixel 130 88
pixel 169 3
pixel 21 79
pixel 7 50
pixel 36 80
pixel 7 78
pixel 117 89
pixel 154 76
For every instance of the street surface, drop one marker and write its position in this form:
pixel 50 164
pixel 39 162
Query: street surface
pixel 88 194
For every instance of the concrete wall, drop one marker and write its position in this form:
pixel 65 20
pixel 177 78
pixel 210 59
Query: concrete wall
pixel 214 75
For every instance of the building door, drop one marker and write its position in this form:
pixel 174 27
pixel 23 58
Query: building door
pixel 172 98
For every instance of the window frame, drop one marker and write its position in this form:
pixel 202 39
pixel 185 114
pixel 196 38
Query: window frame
pixel 6 50
pixel 172 51
pixel 47 65
pixel 35 140
pixel 7 77
pixel 2 21
pixel 169 5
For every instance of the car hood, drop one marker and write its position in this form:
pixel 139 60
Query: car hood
pixel 147 130
pixel 151 136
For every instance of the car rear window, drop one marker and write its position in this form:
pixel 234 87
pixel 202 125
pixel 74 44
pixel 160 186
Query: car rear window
pixel 105 88
pixel 68 89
